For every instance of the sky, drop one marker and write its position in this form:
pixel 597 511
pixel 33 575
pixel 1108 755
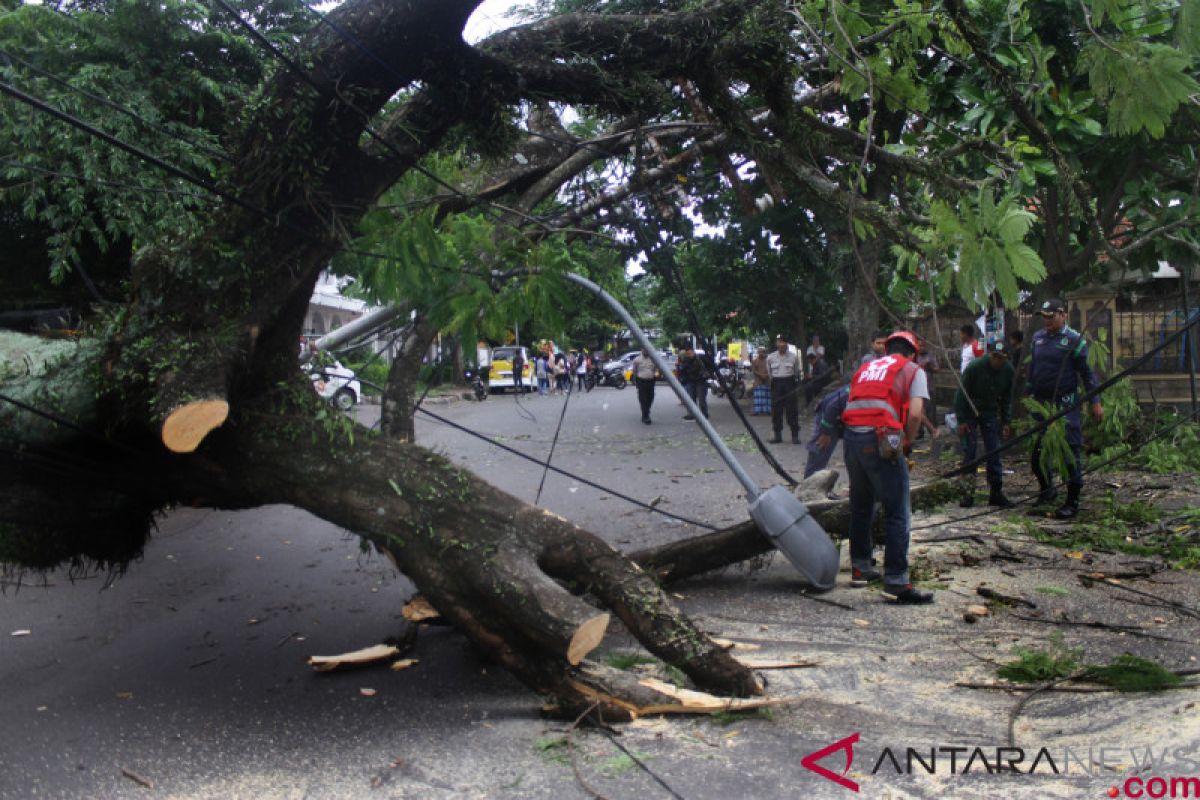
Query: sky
pixel 489 18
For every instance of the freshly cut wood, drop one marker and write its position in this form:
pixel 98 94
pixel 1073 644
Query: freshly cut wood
pixel 185 427
pixel 692 702
pixel 403 664
pixel 769 663
pixel 367 655
pixel 418 608
pixel 730 644
pixel 587 638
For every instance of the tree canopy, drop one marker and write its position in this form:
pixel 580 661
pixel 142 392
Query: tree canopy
pixel 197 166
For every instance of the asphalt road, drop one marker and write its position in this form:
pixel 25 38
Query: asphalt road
pixel 189 670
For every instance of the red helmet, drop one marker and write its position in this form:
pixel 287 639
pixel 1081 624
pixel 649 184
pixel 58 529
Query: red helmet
pixel 906 336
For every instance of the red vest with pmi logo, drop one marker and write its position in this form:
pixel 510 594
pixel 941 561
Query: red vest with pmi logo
pixel 875 399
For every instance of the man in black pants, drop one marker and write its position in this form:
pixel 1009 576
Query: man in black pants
pixel 518 370
pixel 786 370
pixel 693 374
pixel 644 373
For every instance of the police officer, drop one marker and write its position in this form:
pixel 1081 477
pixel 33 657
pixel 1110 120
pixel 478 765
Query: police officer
pixel 786 371
pixel 1058 363
pixel 883 414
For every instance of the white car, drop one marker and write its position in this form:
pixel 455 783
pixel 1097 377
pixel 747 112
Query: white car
pixel 338 385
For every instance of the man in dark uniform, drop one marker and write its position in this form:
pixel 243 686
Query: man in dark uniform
pixel 1057 365
pixel 694 370
pixel 983 405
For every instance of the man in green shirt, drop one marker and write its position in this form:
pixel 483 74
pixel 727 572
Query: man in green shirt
pixel 983 404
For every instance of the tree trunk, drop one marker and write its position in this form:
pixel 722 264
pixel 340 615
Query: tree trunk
pixel 742 542
pixel 400 395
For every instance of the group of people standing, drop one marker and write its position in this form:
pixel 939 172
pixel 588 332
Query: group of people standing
pixel 554 372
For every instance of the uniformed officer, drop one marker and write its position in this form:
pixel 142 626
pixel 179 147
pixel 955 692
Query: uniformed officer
pixel 786 370
pixel 1058 363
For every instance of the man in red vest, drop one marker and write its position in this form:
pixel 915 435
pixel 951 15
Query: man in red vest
pixel 882 417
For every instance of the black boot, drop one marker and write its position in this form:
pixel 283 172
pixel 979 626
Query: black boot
pixel 1046 491
pixel 777 438
pixel 795 437
pixel 996 498
pixel 1069 509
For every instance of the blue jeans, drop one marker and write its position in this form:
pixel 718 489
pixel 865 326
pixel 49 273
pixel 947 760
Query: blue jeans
pixel 989 426
pixel 874 479
pixel 818 457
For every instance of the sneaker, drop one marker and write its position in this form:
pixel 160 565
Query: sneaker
pixel 1047 496
pixel 860 578
pixel 795 438
pixel 645 420
pixel 776 439
pixel 906 595
pixel 688 416
pixel 968 501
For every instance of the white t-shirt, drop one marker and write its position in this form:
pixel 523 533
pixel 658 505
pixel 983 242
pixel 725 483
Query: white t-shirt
pixel 970 351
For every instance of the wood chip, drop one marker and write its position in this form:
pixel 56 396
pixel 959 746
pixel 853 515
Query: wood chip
pixel 22 632
pixel 418 609
pixel 367 691
pixel 730 644
pixel 138 779
pixel 979 611
pixel 864 623
pixel 767 663
pixel 403 663
pixel 367 655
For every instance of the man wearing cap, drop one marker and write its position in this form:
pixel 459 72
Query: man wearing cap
pixel 785 368
pixel 983 404
pixel 1058 363
pixel 883 413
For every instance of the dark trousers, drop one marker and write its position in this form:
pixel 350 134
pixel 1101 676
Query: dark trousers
pixel 785 398
pixel 876 479
pixel 818 457
pixel 645 389
pixel 698 391
pixel 989 426
pixel 518 378
pixel 1074 422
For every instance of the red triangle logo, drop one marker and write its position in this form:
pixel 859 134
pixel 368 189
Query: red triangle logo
pixel 847 744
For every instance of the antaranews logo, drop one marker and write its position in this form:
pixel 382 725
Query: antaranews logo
pixel 1179 765
pixel 847 744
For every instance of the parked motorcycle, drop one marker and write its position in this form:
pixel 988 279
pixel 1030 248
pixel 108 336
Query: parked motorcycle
pixel 733 379
pixel 611 374
pixel 478 383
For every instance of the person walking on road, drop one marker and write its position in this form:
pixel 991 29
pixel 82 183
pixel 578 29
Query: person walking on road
pixel 785 370
pixel 1058 364
pixel 983 405
pixel 883 412
pixel 693 374
pixel 644 374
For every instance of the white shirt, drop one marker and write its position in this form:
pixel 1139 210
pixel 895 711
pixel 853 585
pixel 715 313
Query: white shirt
pixel 784 366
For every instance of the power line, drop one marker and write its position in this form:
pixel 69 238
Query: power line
pixel 75 122
pixel 565 473
pixel 115 106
